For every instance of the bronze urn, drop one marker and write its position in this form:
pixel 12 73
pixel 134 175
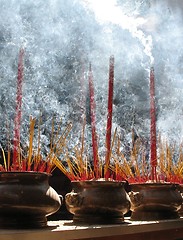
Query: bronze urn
pixel 180 188
pixel 98 202
pixel 26 199
pixel 154 201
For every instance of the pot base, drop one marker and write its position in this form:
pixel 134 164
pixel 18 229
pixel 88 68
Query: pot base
pixel 97 219
pixel 22 222
pixel 153 215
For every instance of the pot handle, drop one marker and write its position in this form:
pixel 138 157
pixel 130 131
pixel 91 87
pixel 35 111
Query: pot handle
pixel 136 198
pixel 61 198
pixel 74 199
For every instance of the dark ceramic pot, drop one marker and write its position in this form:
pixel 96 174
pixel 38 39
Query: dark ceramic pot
pixel 26 199
pixel 154 201
pixel 180 188
pixel 98 202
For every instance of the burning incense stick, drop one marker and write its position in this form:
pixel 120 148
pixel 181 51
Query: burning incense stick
pixel 93 122
pixel 18 113
pixel 153 156
pixel 109 116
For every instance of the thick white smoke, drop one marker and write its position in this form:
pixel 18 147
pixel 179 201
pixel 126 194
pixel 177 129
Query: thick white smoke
pixel 62 37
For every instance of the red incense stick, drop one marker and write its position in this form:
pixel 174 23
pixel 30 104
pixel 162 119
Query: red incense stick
pixel 109 116
pixel 18 113
pixel 93 123
pixel 153 156
pixel 83 92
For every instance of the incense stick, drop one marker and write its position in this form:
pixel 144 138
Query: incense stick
pixel 153 153
pixel 18 113
pixel 31 136
pixel 93 122
pixel 109 115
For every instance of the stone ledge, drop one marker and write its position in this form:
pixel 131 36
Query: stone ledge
pixel 66 230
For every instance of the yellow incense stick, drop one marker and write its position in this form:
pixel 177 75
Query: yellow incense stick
pixel 4 159
pixel 31 136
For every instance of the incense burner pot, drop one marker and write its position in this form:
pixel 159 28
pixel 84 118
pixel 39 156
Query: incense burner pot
pixel 98 202
pixel 154 201
pixel 180 188
pixel 26 199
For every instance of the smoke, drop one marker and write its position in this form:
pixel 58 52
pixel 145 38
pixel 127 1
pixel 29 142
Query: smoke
pixel 115 14
pixel 62 37
pixel 145 33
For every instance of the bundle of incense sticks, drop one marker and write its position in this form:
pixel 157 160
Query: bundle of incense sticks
pixel 109 120
pixel 135 168
pixel 78 166
pixel 32 160
pixel 170 168
pixel 128 167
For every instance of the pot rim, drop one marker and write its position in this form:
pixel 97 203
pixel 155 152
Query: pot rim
pixel 153 183
pixel 24 173
pixel 96 183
